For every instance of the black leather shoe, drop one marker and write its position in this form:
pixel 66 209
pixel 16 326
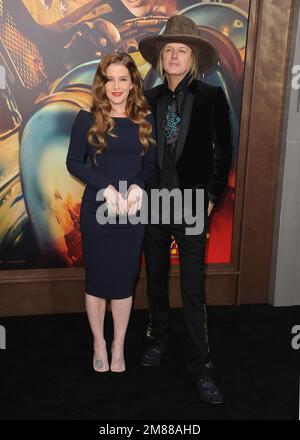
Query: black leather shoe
pixel 153 355
pixel 208 390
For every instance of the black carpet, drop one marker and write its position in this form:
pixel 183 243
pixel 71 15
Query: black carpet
pixel 46 369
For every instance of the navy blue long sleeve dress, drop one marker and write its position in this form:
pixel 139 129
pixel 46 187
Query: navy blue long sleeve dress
pixel 111 252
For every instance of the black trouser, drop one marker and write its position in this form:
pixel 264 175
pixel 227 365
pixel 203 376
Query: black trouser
pixel 191 256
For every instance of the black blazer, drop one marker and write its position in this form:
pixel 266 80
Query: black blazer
pixel 204 150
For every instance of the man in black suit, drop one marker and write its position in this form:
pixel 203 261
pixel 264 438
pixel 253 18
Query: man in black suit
pixel 194 152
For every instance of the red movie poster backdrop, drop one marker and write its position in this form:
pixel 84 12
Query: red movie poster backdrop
pixel 49 51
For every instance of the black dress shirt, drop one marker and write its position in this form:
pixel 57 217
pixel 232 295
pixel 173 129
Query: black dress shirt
pixel 171 125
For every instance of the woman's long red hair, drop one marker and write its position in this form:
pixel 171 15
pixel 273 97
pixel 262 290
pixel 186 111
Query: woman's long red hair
pixel 136 107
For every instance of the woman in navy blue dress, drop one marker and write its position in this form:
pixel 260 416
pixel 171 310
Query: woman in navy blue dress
pixel 116 136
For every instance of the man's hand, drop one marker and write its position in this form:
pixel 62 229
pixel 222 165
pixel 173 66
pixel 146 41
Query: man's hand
pixel 210 207
pixel 115 202
pixel 134 199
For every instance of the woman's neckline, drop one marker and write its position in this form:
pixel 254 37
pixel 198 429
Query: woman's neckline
pixel 115 117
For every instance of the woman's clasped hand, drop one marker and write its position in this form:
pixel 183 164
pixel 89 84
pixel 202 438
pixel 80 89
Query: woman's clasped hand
pixel 119 205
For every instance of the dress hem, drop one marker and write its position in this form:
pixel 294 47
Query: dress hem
pixel 108 297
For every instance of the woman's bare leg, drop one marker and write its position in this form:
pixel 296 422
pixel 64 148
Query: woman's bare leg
pixel 121 309
pixel 95 308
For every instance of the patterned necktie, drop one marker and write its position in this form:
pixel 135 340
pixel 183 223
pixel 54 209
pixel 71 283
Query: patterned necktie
pixel 171 123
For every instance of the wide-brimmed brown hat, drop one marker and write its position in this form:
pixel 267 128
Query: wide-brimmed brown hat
pixel 180 29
